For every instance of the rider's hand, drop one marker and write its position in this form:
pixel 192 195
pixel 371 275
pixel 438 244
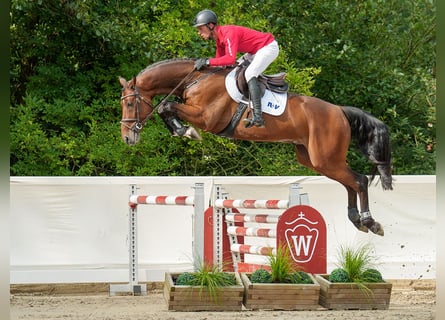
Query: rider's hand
pixel 202 62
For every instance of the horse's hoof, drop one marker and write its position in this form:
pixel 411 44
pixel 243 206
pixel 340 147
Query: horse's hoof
pixel 377 229
pixel 363 228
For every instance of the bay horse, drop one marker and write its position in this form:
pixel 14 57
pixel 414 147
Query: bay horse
pixel 320 131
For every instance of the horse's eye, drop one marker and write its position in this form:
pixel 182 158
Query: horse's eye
pixel 130 104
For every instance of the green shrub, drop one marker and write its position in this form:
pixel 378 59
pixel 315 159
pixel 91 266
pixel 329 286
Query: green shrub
pixel 185 279
pixel 227 279
pixel 372 275
pixel 301 277
pixel 261 276
pixel 339 275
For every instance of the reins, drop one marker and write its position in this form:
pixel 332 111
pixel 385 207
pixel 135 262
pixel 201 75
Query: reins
pixel 138 124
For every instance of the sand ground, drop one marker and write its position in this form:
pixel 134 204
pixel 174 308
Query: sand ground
pixel 408 301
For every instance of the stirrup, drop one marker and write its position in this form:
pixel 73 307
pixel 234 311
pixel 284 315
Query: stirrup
pixel 252 122
pixel 259 123
pixel 248 123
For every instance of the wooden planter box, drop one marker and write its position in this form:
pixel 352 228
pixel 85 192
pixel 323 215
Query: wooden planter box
pixel 352 296
pixel 280 296
pixel 196 298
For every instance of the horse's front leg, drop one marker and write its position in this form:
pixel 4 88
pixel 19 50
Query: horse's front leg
pixel 365 215
pixel 168 114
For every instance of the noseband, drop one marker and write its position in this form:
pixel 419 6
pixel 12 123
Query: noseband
pixel 138 124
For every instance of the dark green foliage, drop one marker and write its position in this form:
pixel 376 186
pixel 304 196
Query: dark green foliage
pixel 228 279
pixel 339 275
pixel 185 279
pixel 66 57
pixel 356 265
pixel 301 277
pixel 261 276
pixel 221 279
pixel 372 275
pixel 354 260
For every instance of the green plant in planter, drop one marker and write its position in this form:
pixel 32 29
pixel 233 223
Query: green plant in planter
pixel 261 276
pixel 354 283
pixel 356 260
pixel 301 277
pixel 339 275
pixel 282 270
pixel 372 275
pixel 184 279
pixel 356 265
pixel 207 276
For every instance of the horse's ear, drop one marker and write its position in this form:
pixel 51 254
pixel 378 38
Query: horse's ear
pixel 123 82
pixel 134 82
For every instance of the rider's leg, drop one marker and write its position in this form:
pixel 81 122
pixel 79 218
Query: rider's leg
pixel 261 60
pixel 255 97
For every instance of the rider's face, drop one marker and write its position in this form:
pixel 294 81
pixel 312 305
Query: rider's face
pixel 204 32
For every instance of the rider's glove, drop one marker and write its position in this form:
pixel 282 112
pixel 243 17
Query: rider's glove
pixel 202 62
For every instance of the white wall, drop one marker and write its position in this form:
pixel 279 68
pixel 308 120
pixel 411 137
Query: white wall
pixel 74 229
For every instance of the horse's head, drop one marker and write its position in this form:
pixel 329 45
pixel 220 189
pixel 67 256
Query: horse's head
pixel 136 110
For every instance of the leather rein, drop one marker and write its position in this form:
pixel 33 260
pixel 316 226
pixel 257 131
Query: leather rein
pixel 138 124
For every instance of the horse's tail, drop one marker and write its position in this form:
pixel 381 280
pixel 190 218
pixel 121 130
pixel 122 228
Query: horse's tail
pixel 372 136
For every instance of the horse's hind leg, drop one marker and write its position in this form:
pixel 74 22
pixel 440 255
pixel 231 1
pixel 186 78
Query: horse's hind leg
pixel 363 220
pixel 355 184
pixel 365 215
pixel 353 214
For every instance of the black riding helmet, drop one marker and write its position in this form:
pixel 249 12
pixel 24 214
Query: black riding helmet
pixel 205 17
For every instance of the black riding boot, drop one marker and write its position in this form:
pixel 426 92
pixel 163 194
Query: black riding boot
pixel 255 97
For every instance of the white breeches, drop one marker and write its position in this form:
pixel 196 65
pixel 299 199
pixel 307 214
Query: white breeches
pixel 261 60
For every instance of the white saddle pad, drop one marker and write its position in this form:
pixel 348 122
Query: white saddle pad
pixel 272 103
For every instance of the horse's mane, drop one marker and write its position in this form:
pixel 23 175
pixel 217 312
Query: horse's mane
pixel 175 60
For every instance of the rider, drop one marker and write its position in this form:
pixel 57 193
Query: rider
pixel 232 39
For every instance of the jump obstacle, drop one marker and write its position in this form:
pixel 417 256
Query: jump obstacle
pixel 219 231
pixel 197 201
pixel 300 227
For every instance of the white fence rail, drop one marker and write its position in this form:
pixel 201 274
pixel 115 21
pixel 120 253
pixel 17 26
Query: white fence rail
pixel 75 229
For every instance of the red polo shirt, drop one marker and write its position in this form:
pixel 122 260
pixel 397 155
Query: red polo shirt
pixel 233 39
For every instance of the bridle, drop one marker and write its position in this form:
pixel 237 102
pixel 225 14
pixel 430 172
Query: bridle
pixel 138 124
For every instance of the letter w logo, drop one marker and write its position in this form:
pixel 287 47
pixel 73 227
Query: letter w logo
pixel 302 242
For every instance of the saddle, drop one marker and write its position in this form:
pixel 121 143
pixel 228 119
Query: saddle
pixel 274 82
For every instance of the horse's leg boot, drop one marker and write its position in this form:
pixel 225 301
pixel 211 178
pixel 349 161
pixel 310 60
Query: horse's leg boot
pixel 255 97
pixel 192 133
pixel 184 131
pixel 178 128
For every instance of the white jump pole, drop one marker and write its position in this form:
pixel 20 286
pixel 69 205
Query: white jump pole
pixel 133 286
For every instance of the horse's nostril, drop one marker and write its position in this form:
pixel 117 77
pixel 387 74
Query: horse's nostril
pixel 127 140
